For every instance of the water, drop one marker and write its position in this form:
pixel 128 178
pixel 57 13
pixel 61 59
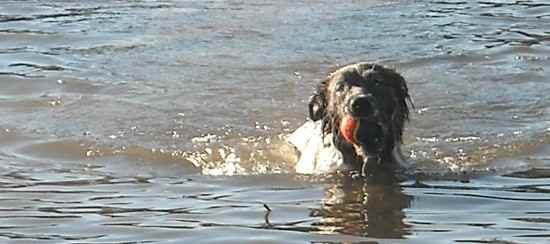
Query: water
pixel 164 121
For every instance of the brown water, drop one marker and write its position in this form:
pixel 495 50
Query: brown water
pixel 163 121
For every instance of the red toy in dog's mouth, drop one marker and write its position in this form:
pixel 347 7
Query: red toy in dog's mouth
pixel 348 128
pixel 363 133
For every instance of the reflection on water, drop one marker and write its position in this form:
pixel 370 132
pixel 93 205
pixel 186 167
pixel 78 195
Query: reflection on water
pixel 122 121
pixel 372 208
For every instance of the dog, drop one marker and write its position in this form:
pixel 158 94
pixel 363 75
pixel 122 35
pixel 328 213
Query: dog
pixel 357 117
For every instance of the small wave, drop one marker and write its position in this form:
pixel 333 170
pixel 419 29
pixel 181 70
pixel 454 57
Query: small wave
pixel 25 31
pixel 100 49
pixel 24 75
pixel 224 156
pixel 38 66
pixel 9 18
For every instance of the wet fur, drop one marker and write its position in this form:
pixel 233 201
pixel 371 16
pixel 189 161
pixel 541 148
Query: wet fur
pixel 325 105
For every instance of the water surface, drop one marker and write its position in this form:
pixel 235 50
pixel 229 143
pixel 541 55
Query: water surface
pixel 164 121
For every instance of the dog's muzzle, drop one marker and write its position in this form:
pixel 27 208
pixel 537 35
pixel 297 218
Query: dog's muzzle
pixel 359 109
pixel 360 127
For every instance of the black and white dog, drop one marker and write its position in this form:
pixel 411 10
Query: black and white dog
pixel 357 119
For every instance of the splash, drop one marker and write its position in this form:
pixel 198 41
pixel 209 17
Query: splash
pixel 218 155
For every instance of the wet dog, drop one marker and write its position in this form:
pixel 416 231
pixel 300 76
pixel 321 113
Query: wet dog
pixel 357 119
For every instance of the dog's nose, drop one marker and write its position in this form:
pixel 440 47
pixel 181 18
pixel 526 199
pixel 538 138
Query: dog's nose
pixel 361 106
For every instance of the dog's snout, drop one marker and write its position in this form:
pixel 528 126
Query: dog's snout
pixel 361 106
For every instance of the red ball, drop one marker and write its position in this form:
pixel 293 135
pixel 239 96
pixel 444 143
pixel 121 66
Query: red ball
pixel 348 128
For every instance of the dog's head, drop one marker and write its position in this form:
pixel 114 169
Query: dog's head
pixel 365 107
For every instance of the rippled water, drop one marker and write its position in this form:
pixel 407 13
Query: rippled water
pixel 164 121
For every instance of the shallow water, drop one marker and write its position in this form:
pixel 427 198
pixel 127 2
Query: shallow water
pixel 163 121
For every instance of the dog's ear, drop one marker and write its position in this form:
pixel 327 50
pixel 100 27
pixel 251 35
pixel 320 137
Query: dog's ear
pixel 402 100
pixel 316 107
pixel 317 103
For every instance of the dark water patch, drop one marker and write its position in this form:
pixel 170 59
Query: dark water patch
pixel 504 198
pixel 25 31
pixel 21 75
pixel 151 6
pixel 99 50
pixel 38 66
pixel 269 226
pixel 101 210
pixel 9 18
pixel 57 202
pixel 533 220
pixel 529 4
pixel 535 236
pixel 47 217
pixel 539 37
pixel 47 237
pixel 505 36
pixel 534 173
pixel 138 225
pixel 115 242
pixel 48 17
pixel 105 180
pixel 23 50
pixel 52 191
pixel 12 50
pixel 489 241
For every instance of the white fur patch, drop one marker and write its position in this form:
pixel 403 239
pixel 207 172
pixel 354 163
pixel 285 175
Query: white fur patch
pixel 317 156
